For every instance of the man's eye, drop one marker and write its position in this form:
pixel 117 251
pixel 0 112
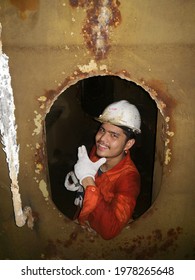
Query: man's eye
pixel 114 135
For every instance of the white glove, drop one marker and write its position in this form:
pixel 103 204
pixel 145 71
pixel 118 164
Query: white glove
pixel 84 166
pixel 74 185
pixel 79 196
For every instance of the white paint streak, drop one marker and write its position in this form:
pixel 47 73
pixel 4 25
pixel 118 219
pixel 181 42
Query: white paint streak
pixel 7 120
pixel 9 139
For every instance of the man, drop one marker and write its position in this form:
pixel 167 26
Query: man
pixel 109 177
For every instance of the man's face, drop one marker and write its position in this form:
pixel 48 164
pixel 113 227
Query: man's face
pixel 111 141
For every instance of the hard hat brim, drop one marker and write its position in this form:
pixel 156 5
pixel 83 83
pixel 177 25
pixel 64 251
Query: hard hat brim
pixel 103 120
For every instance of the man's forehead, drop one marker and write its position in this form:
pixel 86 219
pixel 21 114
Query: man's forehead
pixel 112 128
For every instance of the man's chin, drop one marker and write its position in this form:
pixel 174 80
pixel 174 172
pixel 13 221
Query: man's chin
pixel 100 153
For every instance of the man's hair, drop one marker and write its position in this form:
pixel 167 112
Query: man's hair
pixel 128 132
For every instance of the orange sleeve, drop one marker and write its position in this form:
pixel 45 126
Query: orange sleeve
pixel 109 217
pixel 90 201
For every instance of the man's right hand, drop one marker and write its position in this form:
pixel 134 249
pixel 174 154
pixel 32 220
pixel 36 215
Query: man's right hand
pixel 85 167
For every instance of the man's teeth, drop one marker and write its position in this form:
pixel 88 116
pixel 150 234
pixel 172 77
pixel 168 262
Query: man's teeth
pixel 103 146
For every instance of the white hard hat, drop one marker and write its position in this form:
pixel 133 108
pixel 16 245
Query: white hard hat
pixel 122 113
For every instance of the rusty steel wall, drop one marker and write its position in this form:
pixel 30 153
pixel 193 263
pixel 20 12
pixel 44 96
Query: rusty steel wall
pixel 54 44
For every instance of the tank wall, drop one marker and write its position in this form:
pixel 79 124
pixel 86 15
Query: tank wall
pixel 51 46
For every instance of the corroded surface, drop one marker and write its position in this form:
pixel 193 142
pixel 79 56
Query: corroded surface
pixel 100 17
pixel 49 56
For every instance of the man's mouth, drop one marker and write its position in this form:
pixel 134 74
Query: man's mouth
pixel 102 147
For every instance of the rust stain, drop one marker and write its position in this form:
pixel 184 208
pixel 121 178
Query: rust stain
pixel 35 216
pixel 79 3
pixel 157 235
pixel 101 16
pixel 25 5
pixel 40 158
pixel 123 74
pixel 72 238
pixel 51 250
pixel 52 94
pixel 146 247
pixel 159 91
pixel 141 247
pixel 55 248
pixel 49 96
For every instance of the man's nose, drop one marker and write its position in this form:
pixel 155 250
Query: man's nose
pixel 104 136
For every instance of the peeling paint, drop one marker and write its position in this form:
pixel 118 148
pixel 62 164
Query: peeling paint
pixel 39 168
pixel 36 179
pixel 103 68
pixel 167 141
pixel 170 133
pixel 42 98
pixel 38 123
pixel 92 66
pixel 167 156
pixel 159 92
pixel 167 119
pixel 43 188
pixel 39 158
pixel 38 146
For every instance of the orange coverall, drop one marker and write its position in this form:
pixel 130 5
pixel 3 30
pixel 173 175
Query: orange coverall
pixel 109 206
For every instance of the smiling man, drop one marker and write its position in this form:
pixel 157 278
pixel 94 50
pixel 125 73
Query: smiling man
pixel 109 176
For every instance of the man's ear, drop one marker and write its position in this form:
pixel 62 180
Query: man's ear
pixel 129 144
